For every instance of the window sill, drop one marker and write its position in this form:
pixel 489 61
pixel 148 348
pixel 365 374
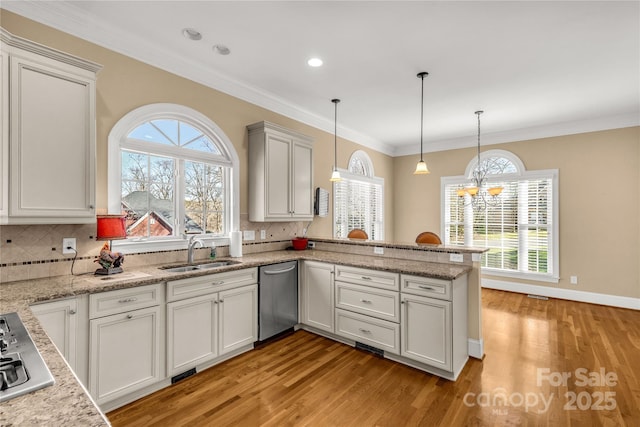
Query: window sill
pixel 519 275
pixel 168 244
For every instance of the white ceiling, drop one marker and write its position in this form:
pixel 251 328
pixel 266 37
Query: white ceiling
pixel 537 68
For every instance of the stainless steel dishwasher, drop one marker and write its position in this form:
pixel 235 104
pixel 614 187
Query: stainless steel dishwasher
pixel 278 298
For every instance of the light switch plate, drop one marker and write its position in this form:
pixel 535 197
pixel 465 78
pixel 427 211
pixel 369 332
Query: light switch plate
pixel 249 235
pixel 378 250
pixel 263 234
pixel 476 257
pixel 456 257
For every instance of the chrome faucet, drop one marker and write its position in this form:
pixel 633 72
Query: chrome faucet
pixel 192 244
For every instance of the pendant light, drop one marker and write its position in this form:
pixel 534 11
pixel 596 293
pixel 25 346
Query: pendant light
pixel 421 167
pixel 482 195
pixel 335 176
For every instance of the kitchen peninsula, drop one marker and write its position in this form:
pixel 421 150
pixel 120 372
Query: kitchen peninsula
pixel 67 399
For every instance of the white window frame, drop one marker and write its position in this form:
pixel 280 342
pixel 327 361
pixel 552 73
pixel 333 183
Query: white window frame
pixel 521 174
pixel 117 140
pixel 368 178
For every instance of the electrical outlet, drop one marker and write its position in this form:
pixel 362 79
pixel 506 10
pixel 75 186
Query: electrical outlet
pixel 311 245
pixel 574 280
pixel 263 234
pixel 456 257
pixel 378 250
pixel 69 242
pixel 249 235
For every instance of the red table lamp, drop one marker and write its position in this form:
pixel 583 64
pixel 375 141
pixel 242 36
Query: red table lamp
pixel 110 227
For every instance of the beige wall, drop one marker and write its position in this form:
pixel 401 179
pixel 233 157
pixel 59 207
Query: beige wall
pixel 125 84
pixel 599 202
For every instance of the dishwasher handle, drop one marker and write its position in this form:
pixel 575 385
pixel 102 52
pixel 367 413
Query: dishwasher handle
pixel 285 270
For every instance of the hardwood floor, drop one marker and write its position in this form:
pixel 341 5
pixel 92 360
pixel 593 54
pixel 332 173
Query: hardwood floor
pixel 547 363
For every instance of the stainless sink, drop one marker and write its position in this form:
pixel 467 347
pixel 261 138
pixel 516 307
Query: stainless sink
pixel 206 266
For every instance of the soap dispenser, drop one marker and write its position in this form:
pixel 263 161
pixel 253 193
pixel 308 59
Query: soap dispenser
pixel 213 253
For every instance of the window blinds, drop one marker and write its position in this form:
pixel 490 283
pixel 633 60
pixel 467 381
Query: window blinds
pixel 358 203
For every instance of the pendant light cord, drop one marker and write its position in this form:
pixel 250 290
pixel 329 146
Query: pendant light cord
pixel 478 114
pixel 421 113
pixel 335 134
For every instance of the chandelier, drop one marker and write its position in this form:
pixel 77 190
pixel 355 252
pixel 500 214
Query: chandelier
pixel 481 194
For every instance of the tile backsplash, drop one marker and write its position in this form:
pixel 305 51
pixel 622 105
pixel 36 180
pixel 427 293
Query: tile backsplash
pixel 35 251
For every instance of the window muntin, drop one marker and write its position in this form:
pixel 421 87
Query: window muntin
pixel 359 199
pixel 152 184
pixel 520 230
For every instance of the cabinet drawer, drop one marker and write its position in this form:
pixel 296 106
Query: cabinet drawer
pixel 364 276
pixel 368 330
pixel 202 285
pixel 113 302
pixel 434 288
pixel 368 300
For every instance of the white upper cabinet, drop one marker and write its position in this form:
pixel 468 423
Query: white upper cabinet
pixel 48 135
pixel 280 174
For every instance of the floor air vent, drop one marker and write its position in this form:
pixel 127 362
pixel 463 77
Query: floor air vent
pixel 370 349
pixel 183 375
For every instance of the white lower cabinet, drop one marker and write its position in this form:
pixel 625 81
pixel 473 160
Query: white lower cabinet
pixel 381 334
pixel 434 322
pixel 192 332
pixel 318 295
pixel 426 330
pixel 126 342
pixel 221 319
pixel 238 311
pixel 66 322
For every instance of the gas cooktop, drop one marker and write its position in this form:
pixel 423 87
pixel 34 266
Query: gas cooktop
pixel 22 369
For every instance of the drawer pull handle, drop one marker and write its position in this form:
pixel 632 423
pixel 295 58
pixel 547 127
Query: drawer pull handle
pixel 429 288
pixel 125 300
pixel 366 278
pixel 221 282
pixel 365 331
pixel 129 316
pixel 366 301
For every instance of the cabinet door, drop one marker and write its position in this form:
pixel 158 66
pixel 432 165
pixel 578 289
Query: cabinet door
pixel 318 296
pixel 427 331
pixel 302 181
pixel 124 353
pixel 58 318
pixel 192 332
pixel 238 318
pixel 53 134
pixel 277 175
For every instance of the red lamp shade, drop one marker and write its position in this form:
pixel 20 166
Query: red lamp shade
pixel 111 227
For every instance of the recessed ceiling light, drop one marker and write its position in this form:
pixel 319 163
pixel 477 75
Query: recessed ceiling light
pixel 221 49
pixel 192 34
pixel 315 62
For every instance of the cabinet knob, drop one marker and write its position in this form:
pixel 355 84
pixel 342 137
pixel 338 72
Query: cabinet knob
pixel 72 312
pixel 221 301
pixel 129 316
pixel 90 206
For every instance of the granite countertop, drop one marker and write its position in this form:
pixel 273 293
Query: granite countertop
pixel 67 402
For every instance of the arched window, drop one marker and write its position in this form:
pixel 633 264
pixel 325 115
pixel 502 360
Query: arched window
pixel 358 199
pixel 172 171
pixel 519 227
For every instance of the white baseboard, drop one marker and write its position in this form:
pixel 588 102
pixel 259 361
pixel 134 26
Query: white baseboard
pixel 568 294
pixel 476 348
